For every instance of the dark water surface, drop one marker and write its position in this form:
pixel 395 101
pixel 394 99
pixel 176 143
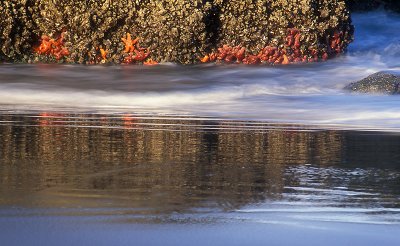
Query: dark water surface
pixel 203 155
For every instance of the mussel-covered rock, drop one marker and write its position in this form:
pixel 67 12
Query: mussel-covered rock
pixel 174 31
pixel 90 31
pixel 300 30
pixel 16 28
pixel 380 83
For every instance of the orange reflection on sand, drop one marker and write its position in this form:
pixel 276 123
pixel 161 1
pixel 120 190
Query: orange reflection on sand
pixel 47 118
pixel 128 120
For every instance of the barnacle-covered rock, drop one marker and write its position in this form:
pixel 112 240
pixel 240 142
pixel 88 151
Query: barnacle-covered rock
pixel 255 24
pixel 178 31
pixel 16 28
pixel 245 23
pixel 174 31
pixel 381 83
pixel 88 26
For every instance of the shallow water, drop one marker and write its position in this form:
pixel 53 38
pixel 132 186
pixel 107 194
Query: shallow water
pixel 100 179
pixel 177 155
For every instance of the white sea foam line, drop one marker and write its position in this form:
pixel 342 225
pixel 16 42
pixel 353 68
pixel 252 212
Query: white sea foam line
pixel 96 97
pixel 372 115
pixel 366 219
pixel 308 209
pixel 121 99
pixel 283 222
pixel 338 191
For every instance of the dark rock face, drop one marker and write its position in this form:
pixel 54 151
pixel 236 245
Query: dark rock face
pixel 367 5
pixel 380 83
pixel 256 24
pixel 16 30
pixel 173 31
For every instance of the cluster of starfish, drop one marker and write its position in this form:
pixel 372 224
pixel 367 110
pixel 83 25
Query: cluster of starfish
pixel 238 54
pixel 53 47
pixel 336 43
pixel 227 53
pixel 135 53
pixel 291 52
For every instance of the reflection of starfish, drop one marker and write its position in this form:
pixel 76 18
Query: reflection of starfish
pixel 129 43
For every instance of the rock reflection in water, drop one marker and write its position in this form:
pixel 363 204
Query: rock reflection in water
pixel 163 165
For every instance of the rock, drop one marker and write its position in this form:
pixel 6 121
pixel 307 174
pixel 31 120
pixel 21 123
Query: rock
pixel 380 83
pixel 173 31
pixel 15 30
pixel 258 24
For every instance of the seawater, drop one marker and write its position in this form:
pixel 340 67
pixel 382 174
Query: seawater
pixel 310 94
pixel 205 154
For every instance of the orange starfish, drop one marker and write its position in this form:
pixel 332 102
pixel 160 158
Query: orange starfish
pixel 150 62
pixel 205 59
pixel 45 46
pixel 129 43
pixel 103 53
pixel 54 47
pixel 285 60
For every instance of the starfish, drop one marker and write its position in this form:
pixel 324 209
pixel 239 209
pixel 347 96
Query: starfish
pixel 103 53
pixel 54 47
pixel 205 59
pixel 150 62
pixel 45 45
pixel 285 60
pixel 129 43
